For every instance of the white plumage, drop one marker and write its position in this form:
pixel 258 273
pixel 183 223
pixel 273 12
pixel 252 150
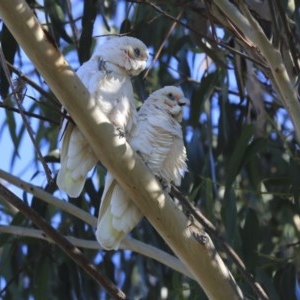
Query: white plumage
pixel 157 138
pixel 107 77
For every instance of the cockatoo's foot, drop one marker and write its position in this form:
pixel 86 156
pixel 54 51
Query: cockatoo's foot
pixel 121 133
pixel 102 65
pixel 164 184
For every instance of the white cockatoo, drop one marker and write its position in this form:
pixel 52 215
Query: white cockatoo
pixel 107 77
pixel 158 139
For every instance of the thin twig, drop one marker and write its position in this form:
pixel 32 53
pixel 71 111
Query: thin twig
pixel 275 24
pixel 273 57
pixel 73 252
pixel 191 29
pixel 211 230
pixel 39 234
pixel 12 279
pixel 127 244
pixel 288 35
pixel 157 54
pixel 26 124
pixel 48 198
pixel 72 25
pixel 29 114
pixel 33 84
pixel 212 24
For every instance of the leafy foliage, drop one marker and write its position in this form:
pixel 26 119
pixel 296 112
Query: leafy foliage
pixel 244 165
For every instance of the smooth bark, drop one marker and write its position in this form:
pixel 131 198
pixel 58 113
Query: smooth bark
pixel 188 242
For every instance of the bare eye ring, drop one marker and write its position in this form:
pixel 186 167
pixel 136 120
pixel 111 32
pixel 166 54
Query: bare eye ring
pixel 137 52
pixel 171 96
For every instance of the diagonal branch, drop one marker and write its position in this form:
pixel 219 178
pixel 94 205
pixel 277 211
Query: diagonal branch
pixel 33 84
pixel 212 230
pixel 73 252
pixel 158 53
pixel 48 198
pixel 202 260
pixel 128 243
pixel 23 116
pixel 251 29
pixel 29 114
pixel 289 35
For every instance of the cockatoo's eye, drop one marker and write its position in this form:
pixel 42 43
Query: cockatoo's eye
pixel 137 52
pixel 171 96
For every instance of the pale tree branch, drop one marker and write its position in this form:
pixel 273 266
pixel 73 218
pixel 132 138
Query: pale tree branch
pixel 73 252
pixel 138 182
pixel 246 23
pixel 128 243
pixel 213 231
pixel 48 198
pixel 39 234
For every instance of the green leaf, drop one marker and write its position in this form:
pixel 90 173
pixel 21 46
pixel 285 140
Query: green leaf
pixel 202 94
pixel 237 158
pixel 217 56
pixel 9 48
pixel 42 278
pixel 86 38
pixel 11 123
pixel 285 280
pixel 266 281
pixel 194 193
pixel 209 199
pixel 196 153
pixel 57 16
pixel 20 135
pixel 250 235
pixel 125 26
pixel 52 156
pixel 229 216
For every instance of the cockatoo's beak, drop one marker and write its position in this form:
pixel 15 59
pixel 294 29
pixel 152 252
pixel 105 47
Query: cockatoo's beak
pixel 183 101
pixel 176 110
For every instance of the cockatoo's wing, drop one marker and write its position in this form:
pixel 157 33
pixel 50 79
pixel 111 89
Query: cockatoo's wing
pixel 117 215
pixel 77 159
